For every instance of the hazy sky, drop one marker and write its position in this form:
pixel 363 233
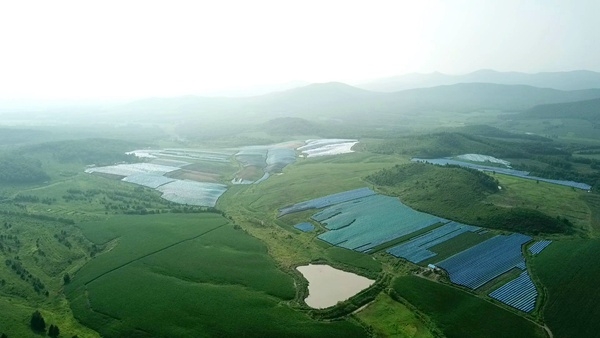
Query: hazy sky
pixel 124 49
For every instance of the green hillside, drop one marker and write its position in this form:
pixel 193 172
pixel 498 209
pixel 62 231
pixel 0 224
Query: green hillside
pixel 588 110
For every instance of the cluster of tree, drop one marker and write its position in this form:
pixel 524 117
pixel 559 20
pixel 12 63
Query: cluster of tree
pixel 38 324
pixel 81 195
pixel 16 168
pixel 9 243
pixel 527 221
pixel 88 151
pixel 40 217
pixel 34 199
pixel 400 173
pixel 563 168
pixel 62 239
pixel 553 161
pixel 94 249
pixel 454 143
pixel 18 268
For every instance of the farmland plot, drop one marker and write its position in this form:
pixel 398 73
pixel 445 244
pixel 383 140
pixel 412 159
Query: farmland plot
pixel 538 246
pixel 416 250
pixel 278 158
pixel 182 154
pixel 131 169
pixel 571 280
pixel 326 201
pixel 367 222
pixel 161 259
pixel 462 315
pixel 192 193
pixel 519 293
pixel 305 227
pixel 480 264
pixel 148 180
pixel 505 171
pixel 325 147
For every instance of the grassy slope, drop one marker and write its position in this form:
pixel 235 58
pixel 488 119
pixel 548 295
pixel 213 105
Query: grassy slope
pixel 459 314
pixel 570 278
pixel 455 194
pixel 255 206
pixel 44 257
pixel 137 297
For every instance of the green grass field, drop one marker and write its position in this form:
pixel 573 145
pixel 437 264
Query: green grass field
pixel 211 271
pixel 389 318
pixel 462 315
pixel 566 269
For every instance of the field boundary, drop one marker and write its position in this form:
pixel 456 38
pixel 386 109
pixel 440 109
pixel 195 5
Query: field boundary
pixel 154 252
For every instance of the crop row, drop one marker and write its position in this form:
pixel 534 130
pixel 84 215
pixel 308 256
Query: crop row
pixel 326 201
pixel 416 250
pixel 369 221
pixel 538 246
pixel 480 264
pixel 519 293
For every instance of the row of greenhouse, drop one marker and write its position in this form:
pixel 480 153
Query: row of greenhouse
pixel 364 221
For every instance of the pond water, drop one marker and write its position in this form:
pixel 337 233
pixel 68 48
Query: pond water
pixel 327 286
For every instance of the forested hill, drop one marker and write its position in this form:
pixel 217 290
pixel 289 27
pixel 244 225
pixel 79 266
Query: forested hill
pixel 586 110
pixel 90 151
pixel 341 101
pixel 19 169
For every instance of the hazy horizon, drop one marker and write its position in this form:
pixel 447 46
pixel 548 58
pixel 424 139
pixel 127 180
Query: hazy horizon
pixel 122 51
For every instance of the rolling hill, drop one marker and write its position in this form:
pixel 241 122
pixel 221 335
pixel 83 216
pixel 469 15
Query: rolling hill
pixel 343 102
pixel 585 110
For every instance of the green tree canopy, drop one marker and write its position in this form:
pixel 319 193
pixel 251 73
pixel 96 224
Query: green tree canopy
pixel 37 322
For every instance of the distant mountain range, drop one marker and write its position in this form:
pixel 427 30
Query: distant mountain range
pixel 586 110
pixel 341 101
pixel 573 80
pixel 388 101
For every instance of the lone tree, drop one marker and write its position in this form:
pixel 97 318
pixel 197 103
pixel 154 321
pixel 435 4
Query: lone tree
pixel 53 331
pixel 37 322
pixel 66 279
